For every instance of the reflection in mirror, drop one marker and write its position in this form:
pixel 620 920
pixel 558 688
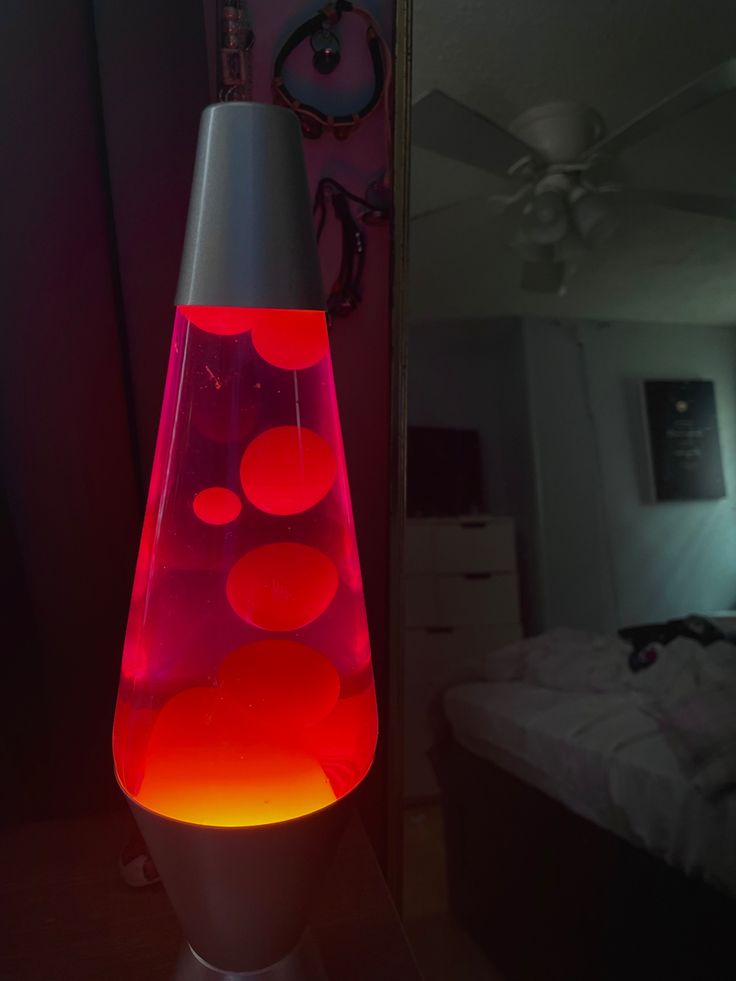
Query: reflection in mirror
pixel 570 573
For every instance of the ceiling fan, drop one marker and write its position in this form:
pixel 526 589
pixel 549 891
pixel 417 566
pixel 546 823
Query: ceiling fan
pixel 555 158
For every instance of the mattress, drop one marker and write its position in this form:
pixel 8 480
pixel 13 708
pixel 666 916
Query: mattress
pixel 604 758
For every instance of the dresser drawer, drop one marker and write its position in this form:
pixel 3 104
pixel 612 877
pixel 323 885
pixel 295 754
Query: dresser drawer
pixel 456 601
pixel 480 598
pixel 419 547
pixel 451 654
pixel 467 545
pixel 421 601
pixel 483 545
pixel 435 660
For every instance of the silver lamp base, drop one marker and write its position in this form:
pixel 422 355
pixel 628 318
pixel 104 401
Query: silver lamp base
pixel 302 964
pixel 244 895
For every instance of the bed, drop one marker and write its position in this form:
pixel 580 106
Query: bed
pixel 589 789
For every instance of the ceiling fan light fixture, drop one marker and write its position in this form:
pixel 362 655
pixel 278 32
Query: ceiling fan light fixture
pixel 594 218
pixel 527 250
pixel 558 131
pixel 545 220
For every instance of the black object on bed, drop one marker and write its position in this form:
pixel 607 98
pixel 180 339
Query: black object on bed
pixel 694 627
pixel 552 897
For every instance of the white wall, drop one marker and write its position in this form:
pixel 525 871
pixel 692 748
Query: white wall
pixel 564 453
pixel 608 556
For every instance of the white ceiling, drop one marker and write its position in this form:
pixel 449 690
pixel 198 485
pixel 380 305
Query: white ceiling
pixel 620 56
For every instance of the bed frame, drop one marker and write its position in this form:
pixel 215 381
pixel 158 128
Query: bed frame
pixel 552 897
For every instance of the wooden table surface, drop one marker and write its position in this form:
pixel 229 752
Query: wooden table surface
pixel 67 915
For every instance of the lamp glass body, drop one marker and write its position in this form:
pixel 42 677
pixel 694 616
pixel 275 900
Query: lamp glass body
pixel 246 694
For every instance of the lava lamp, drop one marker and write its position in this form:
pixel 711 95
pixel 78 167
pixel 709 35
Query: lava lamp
pixel 246 710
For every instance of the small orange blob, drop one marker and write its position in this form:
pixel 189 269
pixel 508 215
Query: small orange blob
pixel 283 586
pixel 291 339
pixel 216 505
pixel 280 685
pixel 287 469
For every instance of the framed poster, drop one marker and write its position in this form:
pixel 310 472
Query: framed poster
pixel 685 451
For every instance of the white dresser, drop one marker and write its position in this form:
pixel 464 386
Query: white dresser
pixel 462 601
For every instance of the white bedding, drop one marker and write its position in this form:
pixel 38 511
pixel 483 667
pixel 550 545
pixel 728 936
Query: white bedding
pixel 689 690
pixel 602 753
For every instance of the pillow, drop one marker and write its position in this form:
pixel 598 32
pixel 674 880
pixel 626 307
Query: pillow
pixel 563 660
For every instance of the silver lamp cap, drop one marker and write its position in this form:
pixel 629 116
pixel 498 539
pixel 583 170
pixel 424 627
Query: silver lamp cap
pixel 249 239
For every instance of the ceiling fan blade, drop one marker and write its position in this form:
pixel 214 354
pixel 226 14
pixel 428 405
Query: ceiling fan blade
pixel 493 204
pixel 476 199
pixel 698 204
pixel 442 124
pixel 718 81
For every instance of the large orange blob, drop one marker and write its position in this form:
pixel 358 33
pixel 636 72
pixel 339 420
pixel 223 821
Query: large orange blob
pixel 291 339
pixel 204 766
pixel 283 586
pixel 287 469
pixel 280 685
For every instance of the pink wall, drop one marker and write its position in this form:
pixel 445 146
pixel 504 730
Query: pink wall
pixel 67 460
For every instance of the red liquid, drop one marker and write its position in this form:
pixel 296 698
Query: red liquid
pixel 246 692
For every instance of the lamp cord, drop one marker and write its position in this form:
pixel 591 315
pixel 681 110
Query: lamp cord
pixel 346 291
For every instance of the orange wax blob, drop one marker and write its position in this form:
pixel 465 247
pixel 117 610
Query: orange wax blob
pixel 287 469
pixel 344 742
pixel 216 505
pixel 219 320
pixel 283 586
pixel 291 339
pixel 196 720
pixel 280 685
pixel 203 766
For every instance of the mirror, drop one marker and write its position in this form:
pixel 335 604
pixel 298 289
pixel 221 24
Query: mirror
pixel 570 574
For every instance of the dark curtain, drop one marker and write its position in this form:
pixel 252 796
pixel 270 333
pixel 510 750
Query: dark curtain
pixel 100 103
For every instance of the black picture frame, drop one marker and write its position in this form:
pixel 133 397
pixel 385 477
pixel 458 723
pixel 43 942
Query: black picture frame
pixel 684 444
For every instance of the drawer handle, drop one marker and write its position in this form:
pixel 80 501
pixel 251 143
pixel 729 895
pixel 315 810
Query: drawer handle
pixel 477 575
pixel 473 524
pixel 439 630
